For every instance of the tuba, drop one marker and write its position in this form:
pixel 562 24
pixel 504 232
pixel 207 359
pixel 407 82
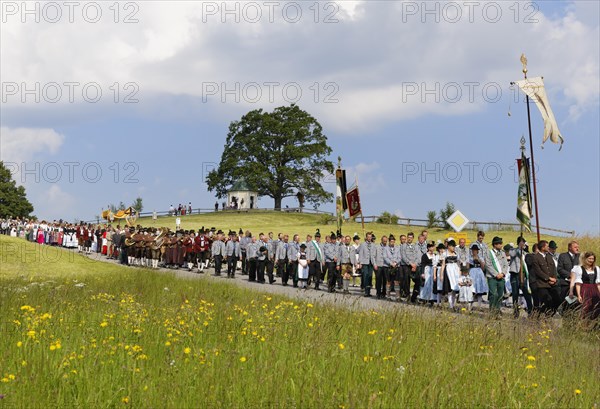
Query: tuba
pixel 159 240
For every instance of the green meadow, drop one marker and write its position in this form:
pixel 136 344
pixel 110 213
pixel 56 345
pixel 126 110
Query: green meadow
pixel 303 224
pixel 79 333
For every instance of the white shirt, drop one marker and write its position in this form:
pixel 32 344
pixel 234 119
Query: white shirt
pixel 578 273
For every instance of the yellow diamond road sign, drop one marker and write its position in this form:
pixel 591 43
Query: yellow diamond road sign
pixel 457 221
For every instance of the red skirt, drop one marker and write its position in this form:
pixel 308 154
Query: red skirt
pixel 591 301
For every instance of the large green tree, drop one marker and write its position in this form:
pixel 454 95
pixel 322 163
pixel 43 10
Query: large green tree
pixel 13 201
pixel 280 154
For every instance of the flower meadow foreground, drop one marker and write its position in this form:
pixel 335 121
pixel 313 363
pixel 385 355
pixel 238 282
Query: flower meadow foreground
pixel 79 333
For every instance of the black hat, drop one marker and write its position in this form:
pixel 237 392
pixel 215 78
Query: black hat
pixel 441 246
pixel 552 245
pixel 332 236
pixel 318 233
pixel 220 231
pixel 430 244
pixel 303 246
pixel 262 249
pixel 391 237
pixel 451 243
pixel 339 234
pixel 356 237
pixel 474 246
pixel 497 240
pixel 201 231
pixel 241 231
pixel 520 239
pixel 213 229
pixel 507 247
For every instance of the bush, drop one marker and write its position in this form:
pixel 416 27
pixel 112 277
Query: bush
pixel 325 219
pixel 431 219
pixel 387 218
pixel 445 213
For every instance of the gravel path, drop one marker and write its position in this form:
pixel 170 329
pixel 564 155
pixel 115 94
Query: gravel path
pixel 353 301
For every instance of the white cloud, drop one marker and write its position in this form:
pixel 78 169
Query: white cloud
pixel 58 198
pixel 23 144
pixel 370 180
pixel 373 49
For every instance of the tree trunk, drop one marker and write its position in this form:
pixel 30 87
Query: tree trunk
pixel 277 202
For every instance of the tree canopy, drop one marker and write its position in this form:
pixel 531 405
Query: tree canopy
pixel 13 201
pixel 280 154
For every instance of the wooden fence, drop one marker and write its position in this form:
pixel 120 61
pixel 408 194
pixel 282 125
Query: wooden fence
pixel 401 221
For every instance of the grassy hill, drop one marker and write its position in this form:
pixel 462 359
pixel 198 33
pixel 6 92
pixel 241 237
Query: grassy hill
pixel 303 224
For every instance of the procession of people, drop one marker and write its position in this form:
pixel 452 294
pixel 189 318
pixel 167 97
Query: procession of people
pixel 541 281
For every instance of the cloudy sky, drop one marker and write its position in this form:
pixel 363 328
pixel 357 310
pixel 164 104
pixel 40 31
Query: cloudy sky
pixel 102 103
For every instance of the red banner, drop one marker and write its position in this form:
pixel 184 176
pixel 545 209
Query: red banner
pixel 353 199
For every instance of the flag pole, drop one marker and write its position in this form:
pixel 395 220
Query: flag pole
pixel 339 207
pixel 535 201
pixel 521 253
pixel 362 218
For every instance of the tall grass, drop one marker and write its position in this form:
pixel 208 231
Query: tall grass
pixel 80 333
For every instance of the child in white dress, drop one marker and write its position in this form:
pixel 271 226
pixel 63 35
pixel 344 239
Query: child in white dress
pixel 302 267
pixel 465 287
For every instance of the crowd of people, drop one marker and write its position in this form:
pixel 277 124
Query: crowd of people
pixel 541 280
pixel 180 210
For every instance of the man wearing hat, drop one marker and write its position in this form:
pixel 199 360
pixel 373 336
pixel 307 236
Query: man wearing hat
pixel 281 259
pixel 496 268
pixel 262 258
pixel 252 254
pixel 553 253
pixel 233 254
pixel 366 262
pixel 314 254
pixel 218 251
pixel 330 252
pixel 293 249
pixel 519 276
pixel 245 239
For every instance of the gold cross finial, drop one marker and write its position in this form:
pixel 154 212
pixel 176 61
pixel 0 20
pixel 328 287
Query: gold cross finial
pixel 524 62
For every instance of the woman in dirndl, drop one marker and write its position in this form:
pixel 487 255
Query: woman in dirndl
pixel 302 267
pixel 438 274
pixel 429 261
pixel 451 273
pixel 40 234
pixel 477 264
pixel 586 280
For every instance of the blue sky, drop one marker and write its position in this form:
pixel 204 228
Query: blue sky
pixel 381 60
